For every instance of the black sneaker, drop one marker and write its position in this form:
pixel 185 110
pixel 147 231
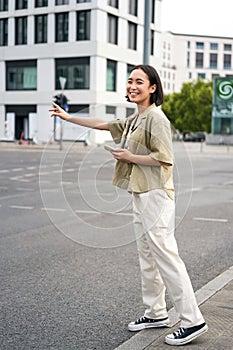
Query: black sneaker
pixel 144 322
pixel 185 335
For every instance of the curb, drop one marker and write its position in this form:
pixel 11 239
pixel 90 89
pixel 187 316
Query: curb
pixel 144 338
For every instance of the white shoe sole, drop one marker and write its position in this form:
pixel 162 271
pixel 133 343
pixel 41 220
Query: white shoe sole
pixel 188 339
pixel 138 327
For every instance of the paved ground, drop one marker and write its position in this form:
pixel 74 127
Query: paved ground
pixel 215 299
pixel 216 304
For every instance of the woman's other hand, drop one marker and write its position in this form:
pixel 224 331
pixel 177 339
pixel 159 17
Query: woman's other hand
pixel 123 155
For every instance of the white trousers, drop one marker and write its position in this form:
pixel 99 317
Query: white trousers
pixel 161 265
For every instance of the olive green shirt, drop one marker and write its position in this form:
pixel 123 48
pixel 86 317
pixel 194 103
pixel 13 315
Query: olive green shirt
pixel 151 136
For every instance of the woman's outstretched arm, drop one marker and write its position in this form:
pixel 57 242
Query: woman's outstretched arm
pixel 93 123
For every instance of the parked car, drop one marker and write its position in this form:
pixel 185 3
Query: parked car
pixel 198 136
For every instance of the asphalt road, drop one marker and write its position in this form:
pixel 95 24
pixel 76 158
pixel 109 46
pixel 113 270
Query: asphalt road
pixel 69 269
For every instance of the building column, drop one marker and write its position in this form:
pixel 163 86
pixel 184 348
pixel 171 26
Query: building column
pixel 51 28
pixel 11 31
pixel 30 30
pixel 72 24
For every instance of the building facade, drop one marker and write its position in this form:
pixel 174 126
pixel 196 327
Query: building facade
pixel 93 44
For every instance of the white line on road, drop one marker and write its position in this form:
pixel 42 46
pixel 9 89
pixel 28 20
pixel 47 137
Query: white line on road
pixel 228 183
pixel 24 189
pixel 69 170
pixel 100 212
pixel 21 207
pixel 53 209
pixel 210 219
pixel 87 212
pixel 17 169
pixel 4 171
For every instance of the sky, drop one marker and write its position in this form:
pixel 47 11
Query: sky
pixel 201 17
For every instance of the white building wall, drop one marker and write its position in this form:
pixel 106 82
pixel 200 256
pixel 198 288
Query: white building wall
pixel 170 58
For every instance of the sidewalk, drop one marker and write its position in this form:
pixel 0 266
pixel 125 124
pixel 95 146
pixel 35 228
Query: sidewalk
pixel 216 303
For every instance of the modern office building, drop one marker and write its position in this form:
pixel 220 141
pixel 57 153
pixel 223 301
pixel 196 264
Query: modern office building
pixel 92 44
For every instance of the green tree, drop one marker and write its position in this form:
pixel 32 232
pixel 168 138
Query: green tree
pixel 190 109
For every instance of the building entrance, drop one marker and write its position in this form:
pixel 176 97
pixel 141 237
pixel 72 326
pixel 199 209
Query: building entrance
pixel 21 124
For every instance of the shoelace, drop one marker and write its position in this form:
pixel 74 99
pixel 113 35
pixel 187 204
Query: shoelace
pixel 180 331
pixel 141 320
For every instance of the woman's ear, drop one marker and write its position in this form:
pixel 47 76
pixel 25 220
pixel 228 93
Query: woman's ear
pixel 153 88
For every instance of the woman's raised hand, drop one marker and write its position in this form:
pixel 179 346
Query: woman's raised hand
pixel 57 111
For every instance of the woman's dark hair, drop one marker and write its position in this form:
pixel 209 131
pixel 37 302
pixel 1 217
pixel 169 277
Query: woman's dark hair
pixel 157 96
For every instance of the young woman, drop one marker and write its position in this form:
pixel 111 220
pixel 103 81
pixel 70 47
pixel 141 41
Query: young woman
pixel 144 167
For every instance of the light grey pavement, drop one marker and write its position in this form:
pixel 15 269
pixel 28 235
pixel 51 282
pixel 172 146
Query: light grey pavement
pixel 216 303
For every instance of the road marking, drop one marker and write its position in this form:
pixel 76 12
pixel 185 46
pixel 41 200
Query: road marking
pixel 53 209
pixel 228 183
pixel 210 219
pixel 4 171
pixel 21 207
pixel 101 212
pixel 70 170
pixel 24 189
pixel 87 212
pixel 189 190
pixel 17 169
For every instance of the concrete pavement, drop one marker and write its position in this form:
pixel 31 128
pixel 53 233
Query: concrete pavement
pixel 216 303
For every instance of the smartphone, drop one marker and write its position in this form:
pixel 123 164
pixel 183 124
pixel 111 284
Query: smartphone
pixel 110 148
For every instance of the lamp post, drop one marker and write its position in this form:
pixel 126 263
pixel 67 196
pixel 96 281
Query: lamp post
pixel 147 34
pixel 62 81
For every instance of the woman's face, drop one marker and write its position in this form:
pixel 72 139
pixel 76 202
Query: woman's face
pixel 139 89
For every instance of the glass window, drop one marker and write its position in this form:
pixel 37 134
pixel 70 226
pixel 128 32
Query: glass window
pixel 199 59
pixel 20 30
pixel 81 1
pixel 21 4
pixel 62 27
pixel 3 5
pixel 74 109
pixel 201 75
pixel 214 76
pixel 188 59
pixel 188 44
pixel 133 7
pixel 62 2
pixel 113 3
pixel 213 60
pixel 21 75
pixel 110 110
pixel 112 29
pixel 41 22
pixel 41 3
pixel 213 46
pixel 152 11
pixel 129 111
pixel 227 47
pixel 111 75
pixel 75 70
pixel 83 25
pixel 227 61
pixel 129 68
pixel 152 42
pixel 3 32
pixel 199 46
pixel 132 36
